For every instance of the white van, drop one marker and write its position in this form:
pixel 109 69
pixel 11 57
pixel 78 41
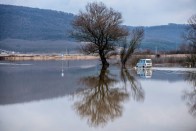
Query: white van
pixel 144 63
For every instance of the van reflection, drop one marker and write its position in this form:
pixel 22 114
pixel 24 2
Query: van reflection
pixel 144 72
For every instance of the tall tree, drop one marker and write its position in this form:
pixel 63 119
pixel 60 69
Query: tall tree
pixel 127 50
pixel 190 37
pixel 99 26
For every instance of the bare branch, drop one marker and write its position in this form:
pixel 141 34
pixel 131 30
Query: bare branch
pixel 100 26
pixel 190 38
pixel 137 35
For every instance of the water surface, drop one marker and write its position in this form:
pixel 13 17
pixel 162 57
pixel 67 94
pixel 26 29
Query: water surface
pixel 78 95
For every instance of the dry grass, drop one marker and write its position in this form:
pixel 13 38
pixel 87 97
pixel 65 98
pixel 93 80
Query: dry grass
pixel 46 57
pixel 164 59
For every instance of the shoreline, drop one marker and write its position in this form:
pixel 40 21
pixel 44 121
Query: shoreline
pixel 18 57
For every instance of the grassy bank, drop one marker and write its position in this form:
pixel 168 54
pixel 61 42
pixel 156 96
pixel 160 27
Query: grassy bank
pixel 162 60
pixel 158 60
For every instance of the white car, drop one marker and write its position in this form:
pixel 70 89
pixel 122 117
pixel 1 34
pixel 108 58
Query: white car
pixel 144 63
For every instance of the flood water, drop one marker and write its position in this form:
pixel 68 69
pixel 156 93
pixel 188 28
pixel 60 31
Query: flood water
pixel 78 95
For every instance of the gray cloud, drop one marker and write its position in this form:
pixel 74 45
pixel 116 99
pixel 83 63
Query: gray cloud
pixel 140 12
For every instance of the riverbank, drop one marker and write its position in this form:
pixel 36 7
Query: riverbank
pixel 15 57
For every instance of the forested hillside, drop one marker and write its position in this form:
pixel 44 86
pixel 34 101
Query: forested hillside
pixel 33 24
pixel 163 37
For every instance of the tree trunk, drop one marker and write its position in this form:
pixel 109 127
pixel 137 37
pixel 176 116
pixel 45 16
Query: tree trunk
pixel 105 64
pixel 123 66
pixel 123 62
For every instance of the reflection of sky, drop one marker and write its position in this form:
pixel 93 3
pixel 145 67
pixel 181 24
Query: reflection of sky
pixel 162 110
pixel 50 106
pixel 40 80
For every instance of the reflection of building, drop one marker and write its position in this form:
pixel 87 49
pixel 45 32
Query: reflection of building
pixel 144 72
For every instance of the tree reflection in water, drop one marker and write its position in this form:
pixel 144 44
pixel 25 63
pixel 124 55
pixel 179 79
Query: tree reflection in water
pixel 102 100
pixel 190 95
pixel 136 91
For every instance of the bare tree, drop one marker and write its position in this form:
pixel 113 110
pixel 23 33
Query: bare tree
pixel 100 27
pixel 137 35
pixel 190 37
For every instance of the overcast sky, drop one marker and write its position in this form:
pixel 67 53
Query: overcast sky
pixel 134 12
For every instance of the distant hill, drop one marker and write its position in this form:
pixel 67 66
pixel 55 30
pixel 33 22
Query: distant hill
pixel 39 46
pixel 33 24
pixel 163 37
